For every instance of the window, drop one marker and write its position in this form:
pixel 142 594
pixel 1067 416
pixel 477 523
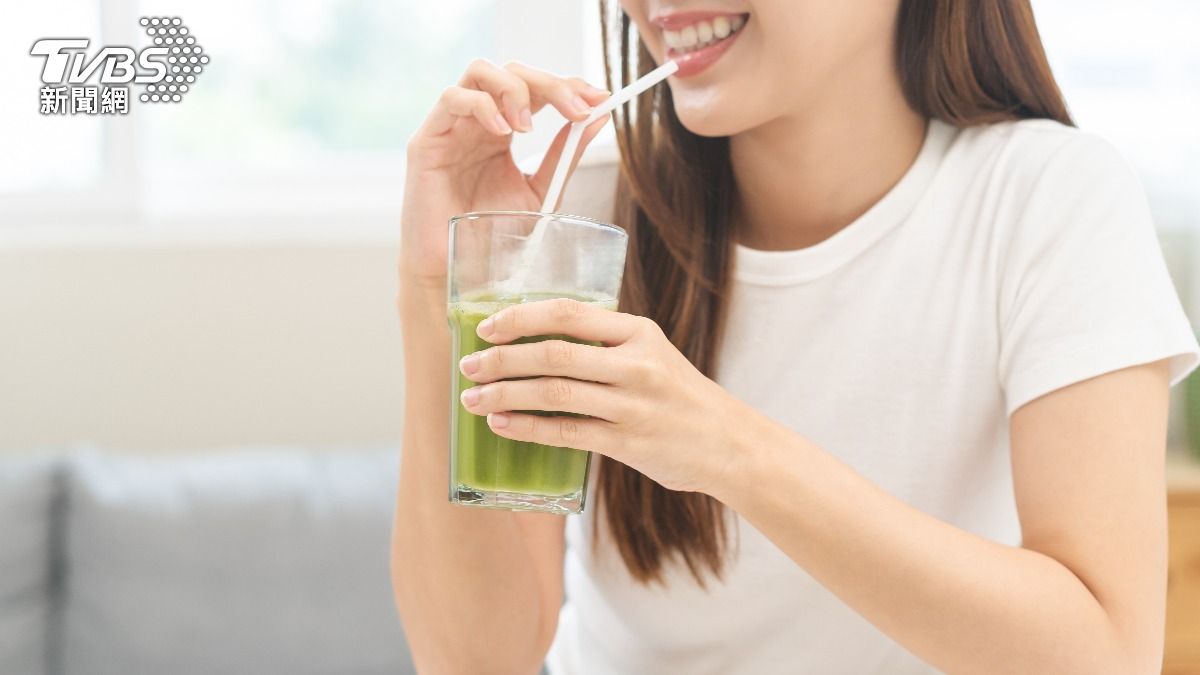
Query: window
pixel 301 116
pixel 314 98
pixel 43 153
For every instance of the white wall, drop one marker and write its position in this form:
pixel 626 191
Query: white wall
pixel 183 347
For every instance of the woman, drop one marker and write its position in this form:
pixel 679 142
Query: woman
pixel 888 388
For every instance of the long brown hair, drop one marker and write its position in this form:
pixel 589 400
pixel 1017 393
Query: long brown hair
pixel 962 61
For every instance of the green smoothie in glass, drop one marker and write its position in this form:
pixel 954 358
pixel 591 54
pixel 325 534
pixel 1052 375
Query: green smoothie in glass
pixel 485 467
pixel 496 259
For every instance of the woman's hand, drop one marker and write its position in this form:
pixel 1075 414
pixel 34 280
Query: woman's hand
pixel 651 408
pixel 460 159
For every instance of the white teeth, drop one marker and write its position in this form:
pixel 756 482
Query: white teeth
pixel 702 33
pixel 687 37
pixel 721 27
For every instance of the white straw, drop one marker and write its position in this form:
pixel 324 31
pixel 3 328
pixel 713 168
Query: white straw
pixel 643 83
pixel 570 147
pixel 576 132
pixel 574 135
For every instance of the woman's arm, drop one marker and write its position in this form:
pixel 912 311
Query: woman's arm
pixel 1084 594
pixel 478 589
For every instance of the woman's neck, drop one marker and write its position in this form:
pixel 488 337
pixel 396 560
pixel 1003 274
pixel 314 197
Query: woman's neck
pixel 802 177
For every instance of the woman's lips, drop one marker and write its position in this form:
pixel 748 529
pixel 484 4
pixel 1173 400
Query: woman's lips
pixel 695 62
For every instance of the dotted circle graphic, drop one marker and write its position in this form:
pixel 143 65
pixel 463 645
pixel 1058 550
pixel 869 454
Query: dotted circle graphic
pixel 183 62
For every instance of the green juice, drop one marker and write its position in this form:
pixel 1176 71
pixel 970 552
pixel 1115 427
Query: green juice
pixel 490 470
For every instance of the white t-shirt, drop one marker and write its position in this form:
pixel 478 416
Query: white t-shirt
pixel 1009 261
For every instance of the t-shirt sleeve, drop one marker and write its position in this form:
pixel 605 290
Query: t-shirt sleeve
pixel 1084 286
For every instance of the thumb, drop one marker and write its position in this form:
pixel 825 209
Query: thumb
pixel 540 181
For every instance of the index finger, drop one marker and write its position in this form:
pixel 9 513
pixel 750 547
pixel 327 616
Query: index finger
pixel 572 97
pixel 560 316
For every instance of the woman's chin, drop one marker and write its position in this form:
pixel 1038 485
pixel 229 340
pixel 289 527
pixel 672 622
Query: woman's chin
pixel 707 122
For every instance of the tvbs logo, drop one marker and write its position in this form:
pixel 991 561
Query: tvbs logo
pixel 167 70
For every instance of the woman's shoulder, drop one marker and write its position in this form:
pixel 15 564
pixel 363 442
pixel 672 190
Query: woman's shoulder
pixel 1042 190
pixel 1024 154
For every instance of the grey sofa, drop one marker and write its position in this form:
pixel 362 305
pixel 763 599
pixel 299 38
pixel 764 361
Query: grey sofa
pixel 245 561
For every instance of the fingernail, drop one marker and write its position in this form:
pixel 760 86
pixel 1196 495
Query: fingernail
pixel 497 420
pixel 598 90
pixel 579 104
pixel 469 397
pixel 469 364
pixel 502 125
pixel 486 327
pixel 526 119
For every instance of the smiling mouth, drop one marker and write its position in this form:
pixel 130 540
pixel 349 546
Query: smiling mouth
pixel 684 38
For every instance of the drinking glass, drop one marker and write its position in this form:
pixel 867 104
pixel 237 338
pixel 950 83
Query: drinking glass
pixel 497 260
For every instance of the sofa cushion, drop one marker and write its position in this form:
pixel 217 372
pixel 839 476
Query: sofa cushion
pixel 267 561
pixel 27 519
